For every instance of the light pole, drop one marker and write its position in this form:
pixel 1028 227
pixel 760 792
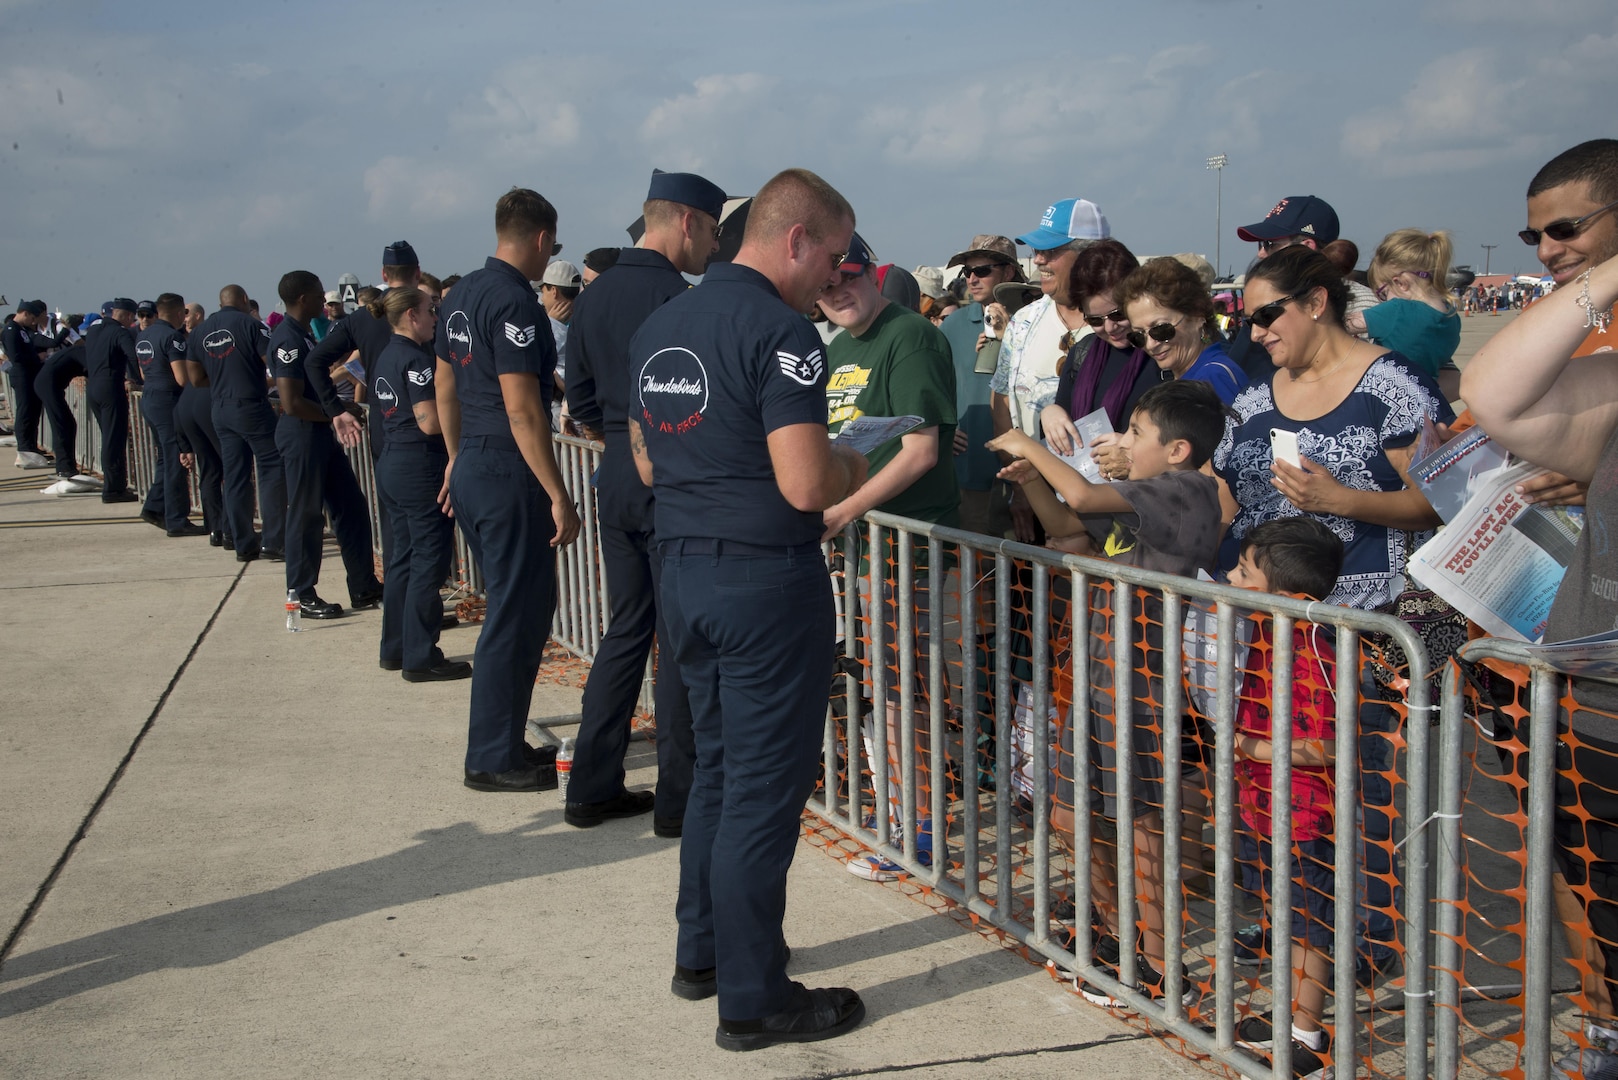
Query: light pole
pixel 1217 163
pixel 1488 250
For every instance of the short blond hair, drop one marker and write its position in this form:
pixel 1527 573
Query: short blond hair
pixel 1411 249
pixel 796 197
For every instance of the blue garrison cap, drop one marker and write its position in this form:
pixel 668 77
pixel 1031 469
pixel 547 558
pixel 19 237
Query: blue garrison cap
pixel 120 303
pixel 687 189
pixel 399 253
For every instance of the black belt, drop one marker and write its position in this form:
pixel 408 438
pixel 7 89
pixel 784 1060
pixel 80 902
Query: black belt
pixel 415 447
pixel 704 545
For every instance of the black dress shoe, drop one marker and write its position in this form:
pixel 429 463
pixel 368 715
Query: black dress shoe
pixel 370 598
pixel 697 984
pixel 274 554
pixel 812 1015
pixel 313 607
pixel 528 779
pixel 543 756
pixel 124 496
pixel 624 804
pixel 190 528
pixel 390 665
pixel 152 517
pixel 250 555
pixel 669 828
pixel 448 622
pixel 216 539
pixel 443 671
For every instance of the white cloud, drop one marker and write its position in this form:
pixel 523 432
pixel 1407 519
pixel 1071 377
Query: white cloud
pixel 520 115
pixel 691 130
pixel 401 188
pixel 1460 114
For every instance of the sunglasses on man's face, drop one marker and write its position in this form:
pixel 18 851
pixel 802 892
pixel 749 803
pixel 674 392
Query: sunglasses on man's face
pixel 1265 316
pixel 981 270
pixel 1159 332
pixel 1113 316
pixel 1563 230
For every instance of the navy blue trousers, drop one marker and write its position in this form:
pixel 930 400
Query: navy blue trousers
pixel 50 389
pixel 505 516
pixel 246 430
pixel 110 402
pixel 25 406
pixel 193 422
pixel 319 478
pixel 753 634
pixel 170 493
pixel 419 552
pixel 612 691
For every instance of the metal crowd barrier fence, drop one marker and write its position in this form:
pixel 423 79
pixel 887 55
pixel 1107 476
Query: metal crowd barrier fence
pixel 974 803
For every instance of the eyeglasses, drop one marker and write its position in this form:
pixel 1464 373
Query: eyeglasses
pixel 1159 332
pixel 1382 289
pixel 1114 316
pixel 838 258
pixel 982 270
pixel 1265 316
pixel 1564 229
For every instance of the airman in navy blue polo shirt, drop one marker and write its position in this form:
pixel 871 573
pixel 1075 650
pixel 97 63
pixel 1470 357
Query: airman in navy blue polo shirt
pixel 408 478
pixel 198 439
pixel 318 475
pixel 495 365
pixel 17 341
pixel 160 352
pixel 233 345
pixel 682 213
pixel 109 359
pixel 730 407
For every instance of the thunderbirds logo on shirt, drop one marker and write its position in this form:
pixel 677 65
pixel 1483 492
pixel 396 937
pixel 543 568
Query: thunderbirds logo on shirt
pixel 458 332
pixel 673 389
pixel 219 344
pixel 520 336
pixel 386 397
pixel 804 370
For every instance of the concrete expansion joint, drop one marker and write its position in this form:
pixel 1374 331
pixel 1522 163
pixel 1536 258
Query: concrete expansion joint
pixel 44 889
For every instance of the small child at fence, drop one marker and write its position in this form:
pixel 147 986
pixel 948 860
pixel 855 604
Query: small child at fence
pixel 1301 557
pixel 1165 518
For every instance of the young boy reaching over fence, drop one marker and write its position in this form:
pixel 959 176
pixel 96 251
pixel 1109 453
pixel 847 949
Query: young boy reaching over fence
pixel 1164 517
pixel 1301 557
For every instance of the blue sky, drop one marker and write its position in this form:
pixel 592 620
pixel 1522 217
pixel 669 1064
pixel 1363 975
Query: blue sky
pixel 159 145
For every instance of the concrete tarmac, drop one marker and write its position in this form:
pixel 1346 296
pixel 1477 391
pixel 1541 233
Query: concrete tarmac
pixel 234 851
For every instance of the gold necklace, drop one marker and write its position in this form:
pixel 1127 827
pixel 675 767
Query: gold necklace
pixel 1335 365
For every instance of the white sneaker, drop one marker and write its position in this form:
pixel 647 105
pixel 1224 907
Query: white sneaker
pixel 874 868
pixel 86 478
pixel 70 486
pixel 8 440
pixel 27 459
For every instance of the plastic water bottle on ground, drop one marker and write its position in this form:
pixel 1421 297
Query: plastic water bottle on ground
pixel 564 769
pixel 294 611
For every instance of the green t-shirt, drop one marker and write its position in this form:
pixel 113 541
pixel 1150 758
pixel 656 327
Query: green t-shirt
pixel 900 366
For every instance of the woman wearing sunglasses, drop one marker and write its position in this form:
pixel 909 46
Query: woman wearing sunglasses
pixel 1171 317
pixel 1101 370
pixel 1356 410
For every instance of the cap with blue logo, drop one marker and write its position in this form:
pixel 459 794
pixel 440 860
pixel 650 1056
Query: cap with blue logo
pixel 687 189
pixel 1066 221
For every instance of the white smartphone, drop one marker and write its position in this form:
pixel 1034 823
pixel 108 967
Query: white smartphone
pixel 1284 447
